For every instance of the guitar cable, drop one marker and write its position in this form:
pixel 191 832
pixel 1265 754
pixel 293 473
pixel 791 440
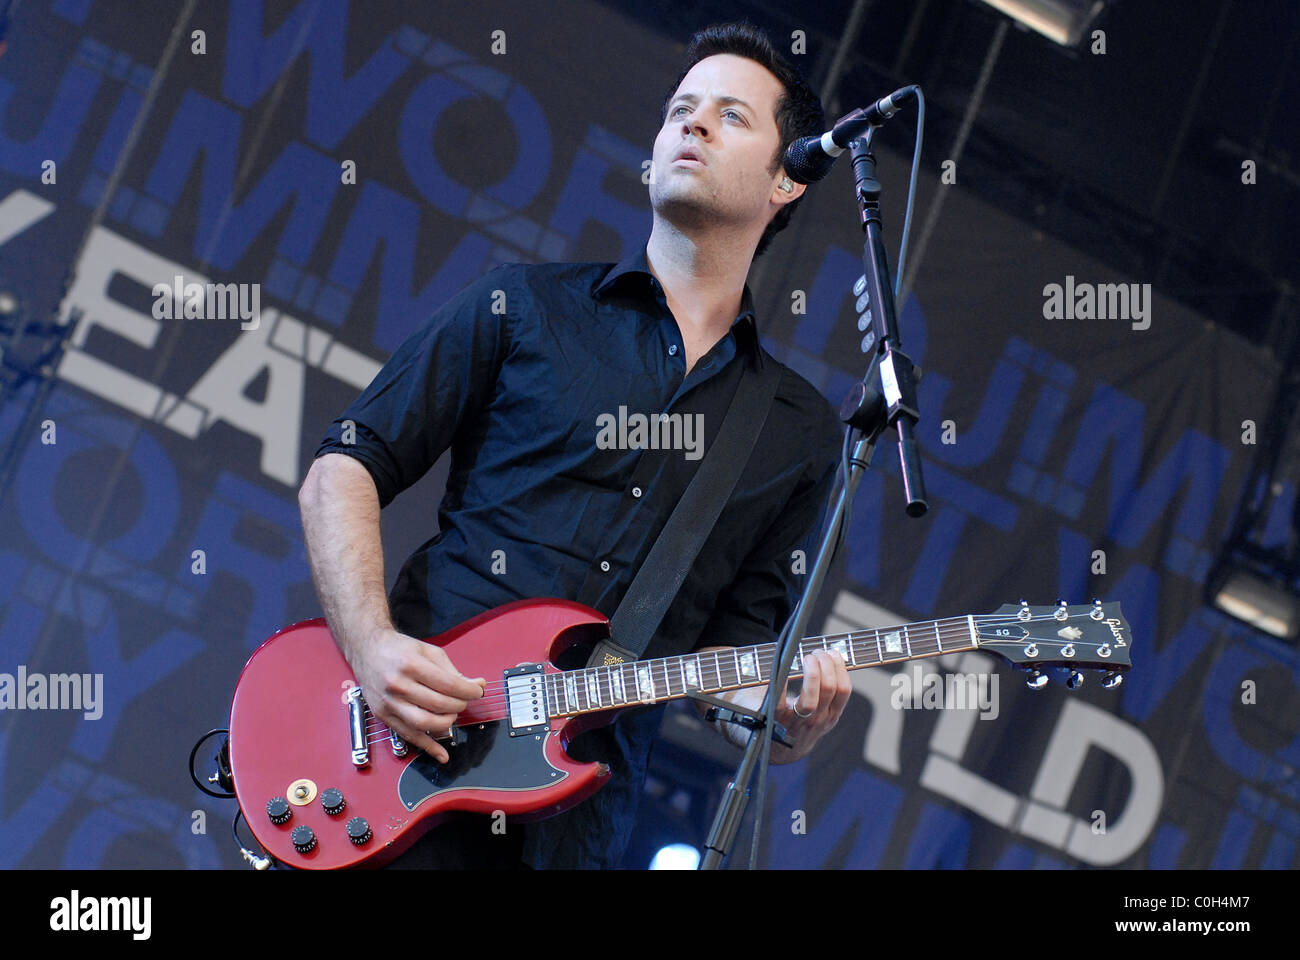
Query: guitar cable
pixel 259 863
pixel 223 777
pixel 222 759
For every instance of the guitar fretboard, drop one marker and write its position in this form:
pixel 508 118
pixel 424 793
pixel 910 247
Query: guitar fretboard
pixel 593 689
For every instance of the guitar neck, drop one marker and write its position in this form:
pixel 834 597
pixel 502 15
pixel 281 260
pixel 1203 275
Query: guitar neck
pixel 644 682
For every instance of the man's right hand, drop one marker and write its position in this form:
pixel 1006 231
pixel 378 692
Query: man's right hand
pixel 413 687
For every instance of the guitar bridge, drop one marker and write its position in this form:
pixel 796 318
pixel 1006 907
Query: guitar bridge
pixel 356 728
pixel 526 700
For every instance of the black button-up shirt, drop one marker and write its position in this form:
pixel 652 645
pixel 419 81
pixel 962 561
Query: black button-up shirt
pixel 533 375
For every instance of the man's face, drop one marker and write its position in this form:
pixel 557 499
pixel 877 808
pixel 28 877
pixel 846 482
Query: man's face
pixel 736 141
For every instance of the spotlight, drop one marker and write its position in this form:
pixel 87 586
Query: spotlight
pixel 676 856
pixel 1264 604
pixel 1061 21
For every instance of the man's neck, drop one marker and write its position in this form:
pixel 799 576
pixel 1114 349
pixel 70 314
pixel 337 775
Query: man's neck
pixel 703 278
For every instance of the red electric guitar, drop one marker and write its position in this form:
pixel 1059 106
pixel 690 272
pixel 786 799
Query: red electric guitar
pixel 324 784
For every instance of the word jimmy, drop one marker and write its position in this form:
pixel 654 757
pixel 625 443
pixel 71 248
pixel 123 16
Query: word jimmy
pixel 953 691
pixel 658 431
pixel 1098 301
pixel 55 691
pixel 208 301
pixel 73 913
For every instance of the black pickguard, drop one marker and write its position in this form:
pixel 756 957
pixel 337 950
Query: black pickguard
pixel 487 758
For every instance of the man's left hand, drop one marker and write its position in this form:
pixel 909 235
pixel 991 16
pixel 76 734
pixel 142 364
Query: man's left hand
pixel 818 707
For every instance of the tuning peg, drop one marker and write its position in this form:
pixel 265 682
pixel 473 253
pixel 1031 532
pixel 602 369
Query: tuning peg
pixel 1076 680
pixel 1097 613
pixel 1037 680
pixel 1112 680
pixel 1023 613
pixel 1062 610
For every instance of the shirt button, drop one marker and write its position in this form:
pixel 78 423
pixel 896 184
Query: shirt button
pixel 672 350
pixel 636 491
pixel 604 566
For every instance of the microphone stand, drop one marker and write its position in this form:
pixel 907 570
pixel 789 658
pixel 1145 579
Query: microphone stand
pixel 886 397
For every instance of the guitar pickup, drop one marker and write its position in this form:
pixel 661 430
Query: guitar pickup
pixel 526 700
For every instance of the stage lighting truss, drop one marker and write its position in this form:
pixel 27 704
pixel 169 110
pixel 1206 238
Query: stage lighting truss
pixel 1256 577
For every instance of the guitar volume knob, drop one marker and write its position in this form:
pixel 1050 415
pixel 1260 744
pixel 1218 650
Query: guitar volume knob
pixel 332 800
pixel 303 838
pixel 358 830
pixel 277 808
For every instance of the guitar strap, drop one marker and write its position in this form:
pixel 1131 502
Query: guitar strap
pixel 642 609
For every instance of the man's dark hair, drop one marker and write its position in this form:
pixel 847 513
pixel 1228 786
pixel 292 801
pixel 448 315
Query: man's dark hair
pixel 798 110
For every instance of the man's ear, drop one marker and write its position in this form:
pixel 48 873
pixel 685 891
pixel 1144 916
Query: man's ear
pixel 787 190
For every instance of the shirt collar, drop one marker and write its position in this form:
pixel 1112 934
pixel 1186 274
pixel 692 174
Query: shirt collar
pixel 633 273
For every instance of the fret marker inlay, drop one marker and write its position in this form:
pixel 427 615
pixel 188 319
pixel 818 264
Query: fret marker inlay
pixel 645 683
pixel 570 691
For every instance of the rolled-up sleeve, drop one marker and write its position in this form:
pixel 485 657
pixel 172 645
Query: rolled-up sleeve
pixel 441 375
pixel 765 590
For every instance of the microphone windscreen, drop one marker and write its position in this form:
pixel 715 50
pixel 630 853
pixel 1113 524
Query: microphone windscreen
pixel 804 165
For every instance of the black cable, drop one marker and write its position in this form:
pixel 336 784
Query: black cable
pixel 193 753
pixel 245 852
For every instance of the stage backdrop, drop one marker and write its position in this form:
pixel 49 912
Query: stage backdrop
pixel 361 164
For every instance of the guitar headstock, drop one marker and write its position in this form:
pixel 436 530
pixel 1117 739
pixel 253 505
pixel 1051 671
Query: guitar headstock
pixel 1084 636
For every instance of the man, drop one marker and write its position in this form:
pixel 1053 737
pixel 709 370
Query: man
pixel 514 374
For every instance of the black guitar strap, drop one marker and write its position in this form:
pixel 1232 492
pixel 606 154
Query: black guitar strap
pixel 642 609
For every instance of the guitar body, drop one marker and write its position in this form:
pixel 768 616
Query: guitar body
pixel 290 738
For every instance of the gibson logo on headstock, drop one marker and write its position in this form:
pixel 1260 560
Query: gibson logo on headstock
pixel 1117 629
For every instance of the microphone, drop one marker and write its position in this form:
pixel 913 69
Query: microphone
pixel 809 159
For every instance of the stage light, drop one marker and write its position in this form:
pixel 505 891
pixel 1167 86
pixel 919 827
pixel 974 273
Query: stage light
pixel 1262 603
pixel 676 856
pixel 1061 21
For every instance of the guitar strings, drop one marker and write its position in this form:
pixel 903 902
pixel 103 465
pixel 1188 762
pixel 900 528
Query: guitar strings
pixel 955 630
pixel 495 691
pixel 496 698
